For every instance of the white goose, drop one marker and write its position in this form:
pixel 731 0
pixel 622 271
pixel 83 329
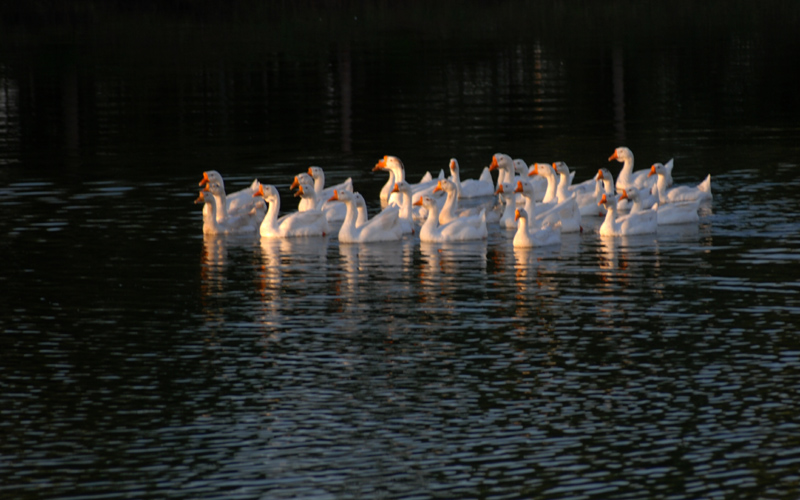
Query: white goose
pixel 307 202
pixel 507 219
pixel 679 194
pixel 613 225
pixel 527 237
pixel 627 177
pixel 471 188
pixel 450 210
pixel 307 223
pixel 670 213
pixel 397 174
pixel 565 212
pixel 383 227
pixel 522 171
pixel 459 229
pixel 254 211
pixel 230 225
pixel 641 216
pixel 406 207
pixel 238 202
pixel 323 192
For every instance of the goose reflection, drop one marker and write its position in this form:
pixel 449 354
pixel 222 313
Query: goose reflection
pixel 285 257
pixel 446 266
pixel 379 266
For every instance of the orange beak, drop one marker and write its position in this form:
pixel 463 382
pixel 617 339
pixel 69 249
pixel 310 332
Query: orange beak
pixel 335 196
pixel 205 179
pixel 652 171
pixel 600 175
pixel 295 184
pixel 396 189
pixel 201 198
pixel 519 187
pixel 603 200
pixel 309 172
pixel 614 156
pixel 494 165
pixel 624 195
pixel 260 191
pixel 381 164
pixel 418 202
pixel 534 171
pixel 499 189
pixel 206 187
pixel 438 187
pixel 516 215
pixel 299 192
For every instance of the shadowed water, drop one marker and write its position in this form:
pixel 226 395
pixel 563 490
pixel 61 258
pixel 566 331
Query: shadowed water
pixel 142 359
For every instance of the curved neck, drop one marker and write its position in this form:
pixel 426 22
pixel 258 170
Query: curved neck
pixel 432 222
pixel 627 170
pixel 562 192
pixel 319 182
pixel 450 205
pixel 210 223
pixel 405 206
pixel 661 186
pixel 386 190
pixel 271 219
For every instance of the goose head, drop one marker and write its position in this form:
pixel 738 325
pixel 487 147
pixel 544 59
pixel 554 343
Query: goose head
pixel 621 154
pixel 402 187
pixel 520 213
pixel 608 201
pixel 266 191
pixel 501 161
pixel 454 166
pixel 426 201
pixel 211 176
pixel 561 168
pixel 316 173
pixel 657 169
pixel 301 177
pixel 445 185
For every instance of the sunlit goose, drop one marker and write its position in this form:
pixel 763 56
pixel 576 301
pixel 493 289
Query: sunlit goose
pixel 397 174
pixel 237 202
pixel 254 211
pixel 506 192
pixel 679 194
pixel 471 188
pixel 307 202
pixel 566 212
pixel 641 216
pixel 323 192
pixel 230 225
pixel 309 223
pixel 406 207
pixel 450 209
pixel 670 213
pixel 544 170
pixel 522 171
pixel 627 177
pixel 383 227
pixel 459 229
pixel 613 225
pixel 527 236
pixel 505 168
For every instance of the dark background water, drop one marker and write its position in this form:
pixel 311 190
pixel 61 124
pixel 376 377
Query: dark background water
pixel 140 359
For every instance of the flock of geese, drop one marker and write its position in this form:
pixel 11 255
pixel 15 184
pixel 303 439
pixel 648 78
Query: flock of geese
pixel 538 202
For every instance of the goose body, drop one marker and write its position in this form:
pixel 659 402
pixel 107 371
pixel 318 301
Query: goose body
pixel 308 223
pixel 459 229
pixel 236 224
pixel 397 174
pixel 670 213
pixel 235 203
pixel 679 194
pixel 471 188
pixel 527 236
pixel 383 227
pixel 613 225
pixel 566 213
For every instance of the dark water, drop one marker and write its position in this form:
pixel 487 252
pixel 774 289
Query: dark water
pixel 141 359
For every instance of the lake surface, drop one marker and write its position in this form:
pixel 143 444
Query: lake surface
pixel 141 359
